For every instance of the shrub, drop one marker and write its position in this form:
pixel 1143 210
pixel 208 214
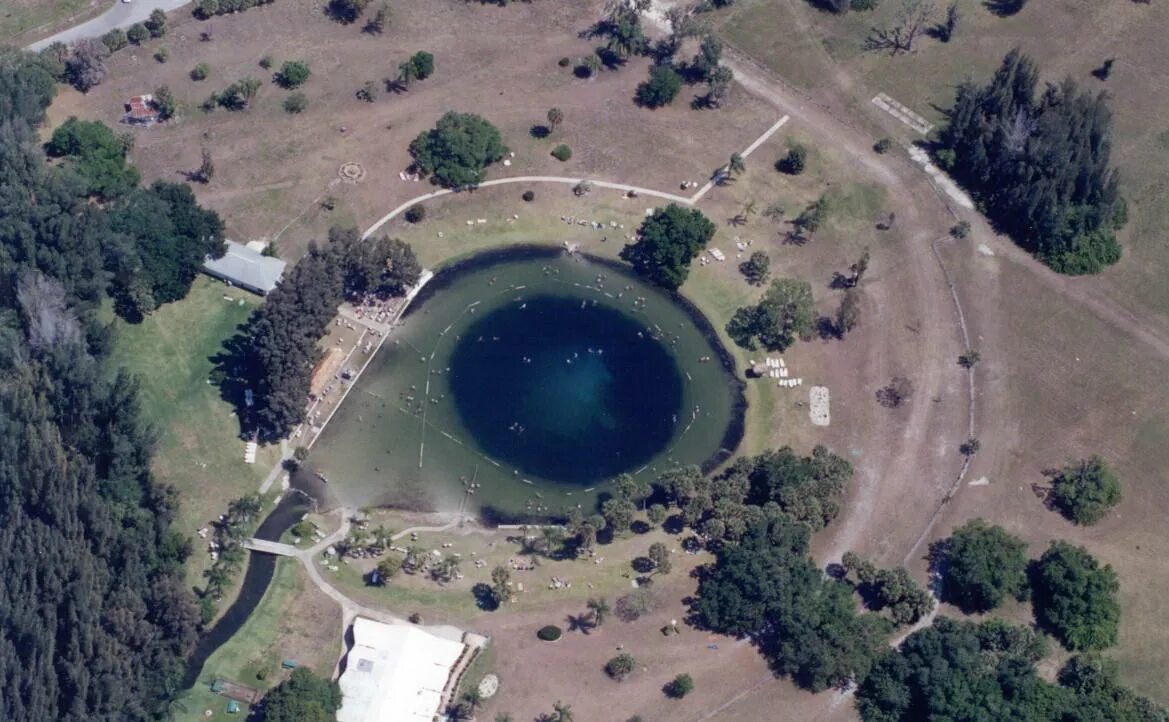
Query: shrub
pixel 293 74
pixel 267 61
pixel 562 152
pixel 295 103
pixel 138 34
pixel 200 72
pixel 564 62
pixel 620 666
pixel 368 92
pixel 115 40
pixel 529 196
pixel 960 230
pixel 661 88
pixel 795 161
pixel 549 633
pixel 416 213
pixel 156 23
pixel 882 146
pixel 162 55
pixel 680 686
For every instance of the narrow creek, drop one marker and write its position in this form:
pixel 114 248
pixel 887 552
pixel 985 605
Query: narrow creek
pixel 261 568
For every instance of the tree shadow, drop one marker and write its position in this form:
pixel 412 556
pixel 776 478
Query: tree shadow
pixel 1004 8
pixel 640 527
pixel 396 86
pixel 539 132
pixel 234 371
pixel 582 623
pixel 484 597
pixel 642 565
pixel 610 59
pixel 674 524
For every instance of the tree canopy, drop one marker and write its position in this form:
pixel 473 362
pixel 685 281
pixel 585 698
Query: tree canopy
pixel 1039 165
pixel 785 313
pixel 666 243
pixel 96 620
pixel 280 343
pixel 1076 598
pixel 958 670
pixel 1085 491
pixel 981 565
pixel 805 624
pixel 457 151
pixel 96 154
pixel 303 697
pixel 164 237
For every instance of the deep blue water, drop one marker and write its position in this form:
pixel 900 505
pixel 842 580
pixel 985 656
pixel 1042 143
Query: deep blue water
pixel 564 389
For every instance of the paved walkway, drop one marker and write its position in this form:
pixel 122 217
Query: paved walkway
pixel 562 180
pixel 121 15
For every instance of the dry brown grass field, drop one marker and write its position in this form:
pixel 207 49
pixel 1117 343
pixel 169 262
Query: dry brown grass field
pixel 1070 367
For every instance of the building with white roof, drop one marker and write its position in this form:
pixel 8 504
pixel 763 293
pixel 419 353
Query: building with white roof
pixel 246 267
pixel 395 673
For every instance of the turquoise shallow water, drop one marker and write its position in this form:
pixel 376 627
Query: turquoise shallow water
pixel 520 382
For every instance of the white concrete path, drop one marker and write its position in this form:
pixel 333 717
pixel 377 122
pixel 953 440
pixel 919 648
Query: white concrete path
pixel 120 15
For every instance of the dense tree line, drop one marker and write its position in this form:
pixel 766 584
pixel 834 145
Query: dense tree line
pixel 281 345
pixel 1039 164
pixel 95 620
pixel 961 671
pixel 806 624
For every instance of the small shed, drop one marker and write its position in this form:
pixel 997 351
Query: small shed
pixel 140 110
pixel 247 268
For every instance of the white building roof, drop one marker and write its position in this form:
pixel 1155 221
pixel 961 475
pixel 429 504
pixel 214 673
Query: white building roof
pixel 395 673
pixel 246 268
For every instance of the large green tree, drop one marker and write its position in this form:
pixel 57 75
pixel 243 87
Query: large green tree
pixel 168 237
pixel 457 151
pixel 785 313
pixel 1085 491
pixel 303 697
pixel 981 565
pixel 96 154
pixel 667 241
pixel 1075 597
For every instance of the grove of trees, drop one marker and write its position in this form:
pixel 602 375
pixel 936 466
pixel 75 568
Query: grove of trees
pixel 280 344
pixel 97 619
pixel 1039 164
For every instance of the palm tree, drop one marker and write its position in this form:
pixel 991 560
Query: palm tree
pixel 600 609
pixel 563 712
pixel 217 579
pixel 555 117
pixel 736 165
pixel 232 557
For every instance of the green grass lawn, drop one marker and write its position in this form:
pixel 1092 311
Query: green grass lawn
pixel 199 451
pixel 39 17
pixel 249 651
